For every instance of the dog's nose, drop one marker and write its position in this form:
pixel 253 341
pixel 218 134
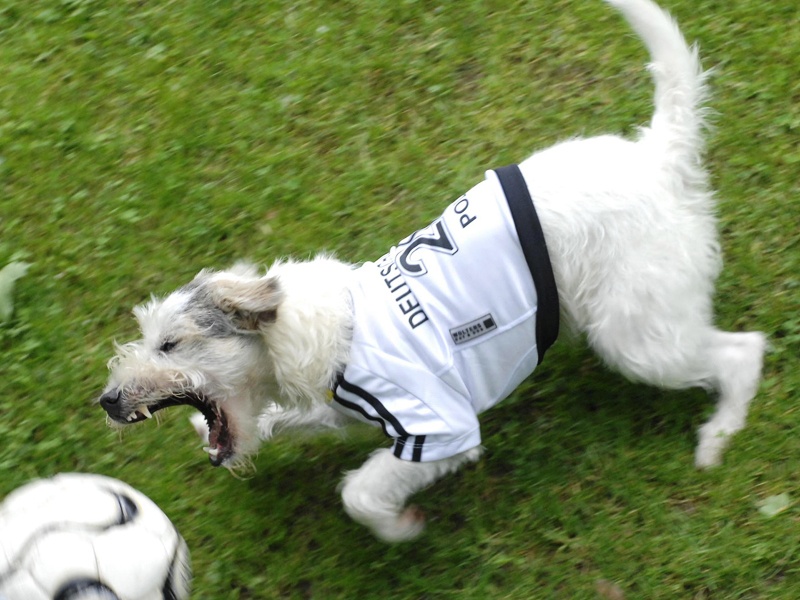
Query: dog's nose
pixel 110 400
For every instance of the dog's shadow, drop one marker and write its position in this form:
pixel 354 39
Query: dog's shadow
pixel 573 403
pixel 563 444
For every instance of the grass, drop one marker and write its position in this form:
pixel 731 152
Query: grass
pixel 143 141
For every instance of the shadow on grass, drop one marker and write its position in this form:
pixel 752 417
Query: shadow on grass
pixel 572 411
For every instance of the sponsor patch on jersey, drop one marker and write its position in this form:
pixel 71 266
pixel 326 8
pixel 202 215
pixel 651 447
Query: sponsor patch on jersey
pixel 473 329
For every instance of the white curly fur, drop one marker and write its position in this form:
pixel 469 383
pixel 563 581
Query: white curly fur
pixel 632 239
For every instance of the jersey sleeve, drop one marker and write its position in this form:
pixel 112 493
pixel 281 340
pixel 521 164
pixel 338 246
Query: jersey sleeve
pixel 427 419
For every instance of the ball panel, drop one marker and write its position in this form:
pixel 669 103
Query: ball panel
pixel 30 497
pixel 5 560
pixel 21 586
pixel 149 515
pixel 131 561
pixel 53 504
pixel 58 557
pixel 178 584
pixel 82 589
pixel 34 517
pixel 74 533
pixel 152 518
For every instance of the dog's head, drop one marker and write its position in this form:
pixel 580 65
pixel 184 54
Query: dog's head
pixel 205 346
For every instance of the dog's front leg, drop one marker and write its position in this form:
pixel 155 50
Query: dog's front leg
pixel 318 417
pixel 276 419
pixel 375 495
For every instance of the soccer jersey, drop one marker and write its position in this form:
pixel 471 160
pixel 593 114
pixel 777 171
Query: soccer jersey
pixel 445 323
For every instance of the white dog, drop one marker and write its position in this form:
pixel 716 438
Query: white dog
pixel 449 321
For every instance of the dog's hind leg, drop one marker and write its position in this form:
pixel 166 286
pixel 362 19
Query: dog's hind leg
pixel 375 495
pixel 689 355
pixel 737 360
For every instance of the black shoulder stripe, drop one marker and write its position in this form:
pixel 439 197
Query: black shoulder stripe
pixel 531 238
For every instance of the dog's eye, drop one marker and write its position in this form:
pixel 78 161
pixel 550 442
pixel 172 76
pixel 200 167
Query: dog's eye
pixel 167 346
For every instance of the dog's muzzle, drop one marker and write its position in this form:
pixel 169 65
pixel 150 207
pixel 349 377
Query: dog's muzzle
pixel 119 409
pixel 110 401
pixel 221 442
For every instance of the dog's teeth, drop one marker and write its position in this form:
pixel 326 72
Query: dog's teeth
pixel 146 412
pixel 211 451
pixel 131 417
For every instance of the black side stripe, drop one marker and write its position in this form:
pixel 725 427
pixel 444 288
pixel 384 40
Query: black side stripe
pixel 531 238
pixel 374 403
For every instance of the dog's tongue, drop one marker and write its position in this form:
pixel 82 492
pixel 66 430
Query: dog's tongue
pixel 219 441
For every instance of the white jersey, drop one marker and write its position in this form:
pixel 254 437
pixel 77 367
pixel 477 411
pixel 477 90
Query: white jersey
pixel 445 327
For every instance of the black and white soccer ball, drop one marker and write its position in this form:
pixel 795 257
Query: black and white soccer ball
pixel 89 537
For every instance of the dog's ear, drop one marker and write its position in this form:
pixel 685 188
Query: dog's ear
pixel 250 302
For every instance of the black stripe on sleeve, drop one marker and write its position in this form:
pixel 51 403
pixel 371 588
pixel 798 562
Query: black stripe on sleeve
pixel 416 456
pixel 399 445
pixel 531 238
pixel 356 408
pixel 374 403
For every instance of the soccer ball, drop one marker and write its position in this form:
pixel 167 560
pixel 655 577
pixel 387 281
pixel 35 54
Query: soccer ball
pixel 89 537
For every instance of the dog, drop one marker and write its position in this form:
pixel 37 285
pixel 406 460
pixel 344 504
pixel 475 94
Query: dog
pixel 615 239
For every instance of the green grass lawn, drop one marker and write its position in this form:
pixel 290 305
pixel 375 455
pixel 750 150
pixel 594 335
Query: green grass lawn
pixel 142 140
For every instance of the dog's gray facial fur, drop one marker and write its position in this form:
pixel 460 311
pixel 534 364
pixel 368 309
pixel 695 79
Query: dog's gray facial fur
pixel 207 316
pixel 192 341
pixel 213 344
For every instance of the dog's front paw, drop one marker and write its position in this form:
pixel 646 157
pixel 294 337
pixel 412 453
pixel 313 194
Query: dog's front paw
pixel 407 526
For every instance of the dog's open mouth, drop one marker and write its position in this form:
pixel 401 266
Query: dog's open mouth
pixel 220 440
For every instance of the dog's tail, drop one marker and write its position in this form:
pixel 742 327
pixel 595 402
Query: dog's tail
pixel 678 122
